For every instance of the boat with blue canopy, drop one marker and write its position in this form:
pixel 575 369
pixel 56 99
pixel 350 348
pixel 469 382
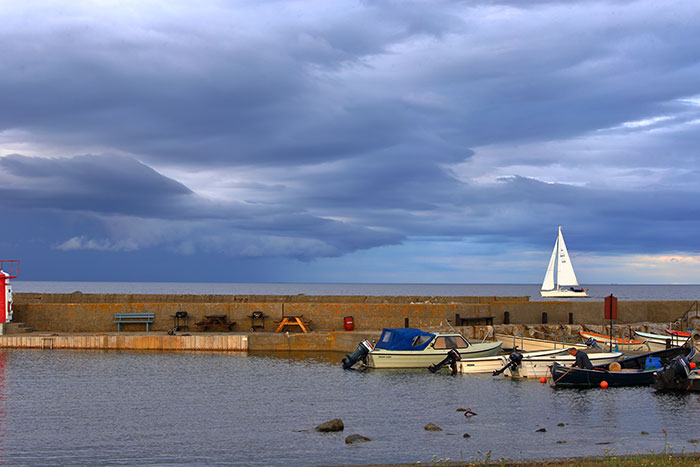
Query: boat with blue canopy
pixel 414 348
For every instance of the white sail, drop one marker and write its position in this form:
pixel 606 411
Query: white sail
pixel 560 279
pixel 565 270
pixel 548 283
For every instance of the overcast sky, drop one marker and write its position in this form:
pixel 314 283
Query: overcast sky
pixel 350 141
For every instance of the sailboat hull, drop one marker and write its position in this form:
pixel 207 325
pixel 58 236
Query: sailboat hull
pixel 562 293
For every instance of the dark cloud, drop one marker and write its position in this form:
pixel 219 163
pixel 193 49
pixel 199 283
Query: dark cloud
pixel 187 93
pixel 106 185
pixel 115 203
pixel 300 131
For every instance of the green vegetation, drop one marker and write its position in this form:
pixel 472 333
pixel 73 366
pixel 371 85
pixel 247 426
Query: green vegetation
pixel 656 460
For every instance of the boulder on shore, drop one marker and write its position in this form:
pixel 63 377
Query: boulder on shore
pixel 333 425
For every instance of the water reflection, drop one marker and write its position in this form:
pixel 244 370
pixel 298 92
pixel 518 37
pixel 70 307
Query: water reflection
pixel 332 358
pixel 3 362
pixel 81 407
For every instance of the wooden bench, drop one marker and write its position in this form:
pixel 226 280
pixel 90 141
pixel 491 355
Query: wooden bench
pixel 216 322
pixel 129 318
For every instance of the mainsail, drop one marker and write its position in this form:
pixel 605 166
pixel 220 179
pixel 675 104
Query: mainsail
pixel 565 271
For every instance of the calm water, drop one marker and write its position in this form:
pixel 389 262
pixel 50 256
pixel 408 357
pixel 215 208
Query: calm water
pixel 84 407
pixel 596 292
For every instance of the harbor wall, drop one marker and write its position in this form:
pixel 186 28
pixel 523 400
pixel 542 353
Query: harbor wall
pixel 78 312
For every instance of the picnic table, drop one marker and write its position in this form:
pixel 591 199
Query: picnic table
pixel 293 320
pixel 216 322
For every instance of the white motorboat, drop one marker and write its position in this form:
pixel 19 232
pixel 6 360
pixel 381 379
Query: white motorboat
pixel 560 279
pixel 496 362
pixel 413 348
pixel 536 367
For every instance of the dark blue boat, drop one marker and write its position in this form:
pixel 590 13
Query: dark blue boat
pixel 633 371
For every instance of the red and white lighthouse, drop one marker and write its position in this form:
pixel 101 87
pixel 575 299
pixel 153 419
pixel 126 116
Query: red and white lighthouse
pixel 8 270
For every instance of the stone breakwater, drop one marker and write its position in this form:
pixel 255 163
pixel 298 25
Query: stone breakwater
pixel 94 313
pixel 86 321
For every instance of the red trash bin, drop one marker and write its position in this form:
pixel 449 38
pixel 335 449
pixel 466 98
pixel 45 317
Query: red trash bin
pixel 349 323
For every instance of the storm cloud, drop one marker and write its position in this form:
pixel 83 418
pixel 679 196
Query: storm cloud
pixel 292 132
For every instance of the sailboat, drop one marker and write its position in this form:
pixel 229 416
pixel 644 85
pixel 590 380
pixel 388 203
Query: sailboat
pixel 560 279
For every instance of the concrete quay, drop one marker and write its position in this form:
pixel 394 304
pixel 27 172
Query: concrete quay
pixel 212 342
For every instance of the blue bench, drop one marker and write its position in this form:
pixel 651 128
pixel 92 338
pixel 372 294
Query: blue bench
pixel 127 318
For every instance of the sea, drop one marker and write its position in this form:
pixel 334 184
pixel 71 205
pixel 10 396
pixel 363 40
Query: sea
pixel 72 407
pixel 595 292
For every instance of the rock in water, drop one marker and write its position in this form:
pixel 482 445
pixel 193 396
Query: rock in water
pixel 334 425
pixel 356 439
pixel 432 427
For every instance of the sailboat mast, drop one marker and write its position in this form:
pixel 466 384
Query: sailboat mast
pixel 556 268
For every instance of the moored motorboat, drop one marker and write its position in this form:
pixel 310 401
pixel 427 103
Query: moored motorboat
pixel 496 362
pixel 633 371
pixel 621 343
pixel 413 348
pixel 537 367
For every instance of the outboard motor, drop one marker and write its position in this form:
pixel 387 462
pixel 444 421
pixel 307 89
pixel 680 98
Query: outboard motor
pixel 452 357
pixel 672 376
pixel 680 367
pixel 592 343
pixel 516 358
pixel 360 353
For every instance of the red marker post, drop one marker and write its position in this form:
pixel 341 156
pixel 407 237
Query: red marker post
pixel 611 314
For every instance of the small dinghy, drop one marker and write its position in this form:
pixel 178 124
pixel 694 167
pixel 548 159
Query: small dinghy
pixel 673 332
pixel 531 344
pixel 634 371
pixel 660 342
pixel 632 345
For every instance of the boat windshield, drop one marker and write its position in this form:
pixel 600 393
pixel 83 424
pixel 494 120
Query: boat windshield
pixel 450 342
pixel 421 340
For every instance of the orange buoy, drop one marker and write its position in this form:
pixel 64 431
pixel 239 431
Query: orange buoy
pixel 543 379
pixel 603 384
pixel 692 365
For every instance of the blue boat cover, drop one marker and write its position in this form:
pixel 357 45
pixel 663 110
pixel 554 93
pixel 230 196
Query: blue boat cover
pixel 653 363
pixel 404 339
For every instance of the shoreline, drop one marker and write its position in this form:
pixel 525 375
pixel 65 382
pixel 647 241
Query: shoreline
pixel 669 459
